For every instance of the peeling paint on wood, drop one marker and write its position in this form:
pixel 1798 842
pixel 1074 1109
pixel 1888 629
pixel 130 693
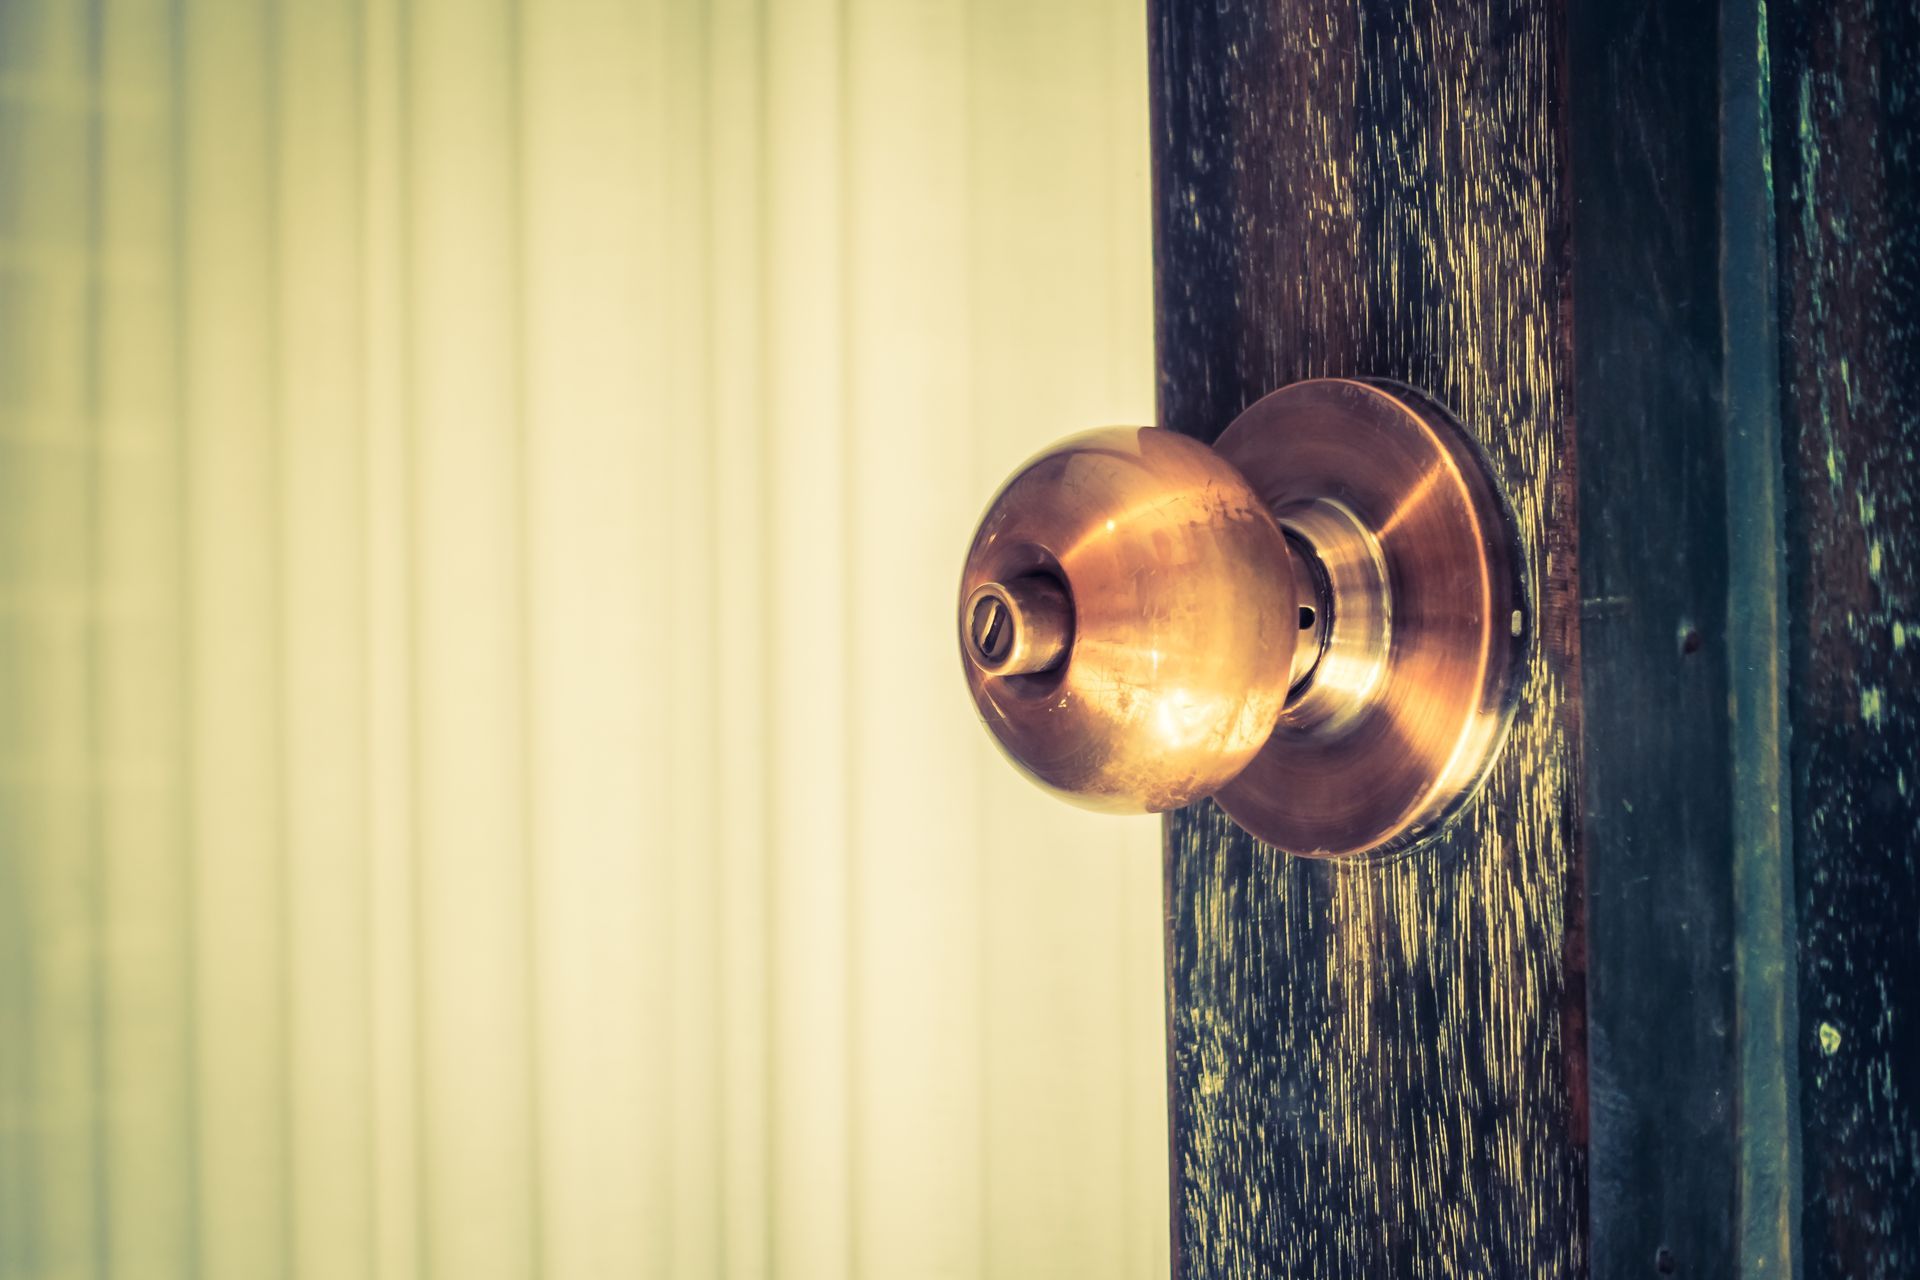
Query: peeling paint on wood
pixel 1681 640
pixel 1846 162
pixel 1377 1069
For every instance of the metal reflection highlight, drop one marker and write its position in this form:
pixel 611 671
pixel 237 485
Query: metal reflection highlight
pixel 1314 622
pixel 1182 636
pixel 1397 725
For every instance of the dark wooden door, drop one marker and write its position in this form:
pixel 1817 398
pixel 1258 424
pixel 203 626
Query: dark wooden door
pixel 1650 1006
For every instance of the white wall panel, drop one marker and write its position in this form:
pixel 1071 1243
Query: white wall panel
pixel 485 786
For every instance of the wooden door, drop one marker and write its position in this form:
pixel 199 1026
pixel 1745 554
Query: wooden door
pixel 1649 1006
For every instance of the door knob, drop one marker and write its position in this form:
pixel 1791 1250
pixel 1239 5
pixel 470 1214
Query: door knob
pixel 1321 621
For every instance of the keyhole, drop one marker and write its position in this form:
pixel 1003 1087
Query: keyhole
pixel 992 630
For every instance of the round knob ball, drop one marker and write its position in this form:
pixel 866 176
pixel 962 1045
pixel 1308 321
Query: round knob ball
pixel 1128 620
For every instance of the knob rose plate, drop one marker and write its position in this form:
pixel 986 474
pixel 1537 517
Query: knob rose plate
pixel 1409 704
pixel 1322 621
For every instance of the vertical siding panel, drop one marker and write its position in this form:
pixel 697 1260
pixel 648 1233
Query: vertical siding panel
pixel 916 1072
pixel 46 612
pixel 18 1142
pixel 148 1182
pixel 1139 1041
pixel 742 646
pixel 598 430
pixel 232 479
pixel 683 266
pixel 392 853
pixel 323 598
pixel 1069 898
pixel 470 739
pixel 808 620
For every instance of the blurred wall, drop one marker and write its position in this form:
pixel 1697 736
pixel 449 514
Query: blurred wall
pixel 485 783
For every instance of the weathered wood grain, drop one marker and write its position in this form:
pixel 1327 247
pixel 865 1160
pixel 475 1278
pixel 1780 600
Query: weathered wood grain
pixel 1376 1069
pixel 1656 648
pixel 1846 114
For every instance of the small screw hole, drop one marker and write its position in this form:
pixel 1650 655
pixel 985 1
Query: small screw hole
pixel 1691 640
pixel 1306 617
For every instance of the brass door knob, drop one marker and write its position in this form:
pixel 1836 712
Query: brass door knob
pixel 1321 621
